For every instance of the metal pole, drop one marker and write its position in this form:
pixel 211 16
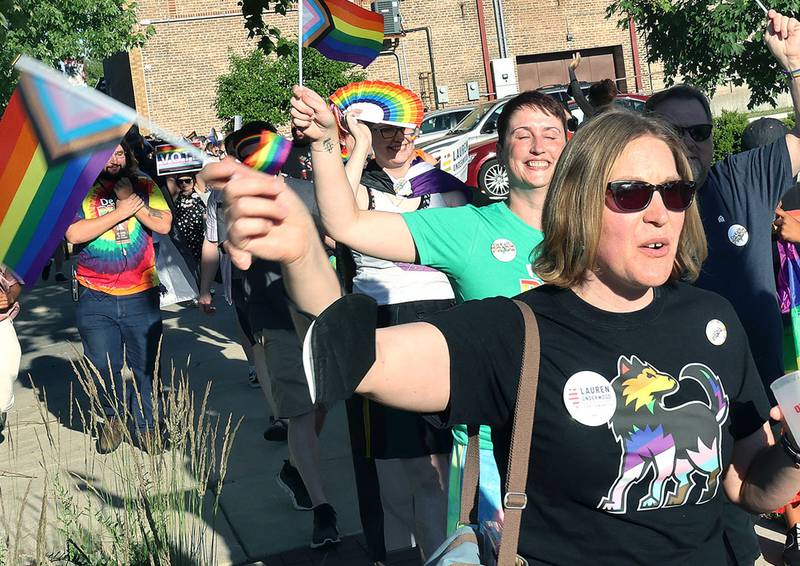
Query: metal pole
pixel 487 69
pixel 430 55
pixel 396 58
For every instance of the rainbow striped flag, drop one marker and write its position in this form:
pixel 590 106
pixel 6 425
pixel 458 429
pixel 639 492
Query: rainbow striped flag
pixel 788 285
pixel 54 141
pixel 342 31
pixel 266 151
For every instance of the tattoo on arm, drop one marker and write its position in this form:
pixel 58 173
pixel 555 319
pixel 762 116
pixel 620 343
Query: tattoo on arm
pixel 328 145
pixel 155 213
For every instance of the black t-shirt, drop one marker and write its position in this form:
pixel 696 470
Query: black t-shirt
pixel 737 205
pixel 679 397
pixel 264 292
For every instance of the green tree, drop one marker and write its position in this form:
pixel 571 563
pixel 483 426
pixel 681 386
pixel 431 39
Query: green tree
pixel 709 42
pixel 269 36
pixel 728 129
pixel 259 87
pixel 54 30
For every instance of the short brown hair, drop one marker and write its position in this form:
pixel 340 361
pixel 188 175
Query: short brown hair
pixel 534 100
pixel 573 209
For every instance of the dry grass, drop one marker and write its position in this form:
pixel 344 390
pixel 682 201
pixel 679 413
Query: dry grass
pixel 126 507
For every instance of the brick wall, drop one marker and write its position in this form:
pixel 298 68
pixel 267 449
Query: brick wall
pixel 175 72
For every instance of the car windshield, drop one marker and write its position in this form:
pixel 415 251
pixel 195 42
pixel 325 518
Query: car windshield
pixel 471 119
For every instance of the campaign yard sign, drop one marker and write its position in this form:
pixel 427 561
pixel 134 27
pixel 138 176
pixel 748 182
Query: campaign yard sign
pixel 171 160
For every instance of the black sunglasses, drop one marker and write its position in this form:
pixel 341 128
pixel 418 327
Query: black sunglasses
pixel 634 196
pixel 185 181
pixel 698 133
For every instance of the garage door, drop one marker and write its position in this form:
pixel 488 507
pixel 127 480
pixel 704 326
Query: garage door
pixel 545 69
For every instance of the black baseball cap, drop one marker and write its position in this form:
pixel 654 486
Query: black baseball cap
pixel 762 132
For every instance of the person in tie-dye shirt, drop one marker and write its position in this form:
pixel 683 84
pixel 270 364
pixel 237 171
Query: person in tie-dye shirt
pixel 118 298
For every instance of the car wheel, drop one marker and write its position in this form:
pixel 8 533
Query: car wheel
pixel 493 179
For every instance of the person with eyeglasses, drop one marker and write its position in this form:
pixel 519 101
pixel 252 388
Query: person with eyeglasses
pixel 738 197
pixel 400 462
pixel 649 407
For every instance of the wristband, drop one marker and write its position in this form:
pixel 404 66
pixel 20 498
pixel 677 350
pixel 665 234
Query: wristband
pixel 339 348
pixel 792 451
pixel 795 74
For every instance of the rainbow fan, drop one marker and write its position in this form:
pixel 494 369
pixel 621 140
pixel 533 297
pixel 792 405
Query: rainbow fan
pixel 266 151
pixel 381 102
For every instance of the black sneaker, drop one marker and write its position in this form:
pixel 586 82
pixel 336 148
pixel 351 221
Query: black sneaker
pixel 325 531
pixel 791 550
pixel 291 482
pixel 278 430
pixel 60 277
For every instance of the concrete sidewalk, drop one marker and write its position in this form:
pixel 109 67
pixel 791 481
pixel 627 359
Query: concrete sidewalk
pixel 256 519
pixel 256 523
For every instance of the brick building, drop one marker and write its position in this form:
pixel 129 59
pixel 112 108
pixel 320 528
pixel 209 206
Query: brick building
pixel 172 78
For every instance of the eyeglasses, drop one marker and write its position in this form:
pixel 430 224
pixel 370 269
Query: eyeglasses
pixel 389 132
pixel 185 181
pixel 634 196
pixel 698 133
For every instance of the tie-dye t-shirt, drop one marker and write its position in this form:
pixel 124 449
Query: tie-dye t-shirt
pixel 120 261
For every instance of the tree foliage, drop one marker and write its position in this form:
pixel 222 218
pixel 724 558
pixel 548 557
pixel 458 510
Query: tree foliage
pixel 709 41
pixel 728 130
pixel 269 36
pixel 54 30
pixel 259 87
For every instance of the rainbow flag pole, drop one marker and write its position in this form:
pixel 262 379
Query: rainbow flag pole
pixel 300 41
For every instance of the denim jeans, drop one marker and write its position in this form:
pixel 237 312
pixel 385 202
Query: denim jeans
pixel 115 327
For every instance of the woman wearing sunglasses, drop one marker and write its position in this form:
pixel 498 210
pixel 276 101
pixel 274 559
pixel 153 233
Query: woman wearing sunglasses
pixel 190 212
pixel 649 408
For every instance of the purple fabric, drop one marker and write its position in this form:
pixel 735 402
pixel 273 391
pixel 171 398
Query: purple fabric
pixel 788 276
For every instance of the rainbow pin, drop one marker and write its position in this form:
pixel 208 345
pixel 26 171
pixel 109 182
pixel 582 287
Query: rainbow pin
pixel 270 154
pixel 381 102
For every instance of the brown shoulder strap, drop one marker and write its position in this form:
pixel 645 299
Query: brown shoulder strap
pixel 471 477
pixel 515 498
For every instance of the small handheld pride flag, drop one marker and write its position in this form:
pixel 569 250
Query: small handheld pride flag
pixel 341 30
pixel 266 151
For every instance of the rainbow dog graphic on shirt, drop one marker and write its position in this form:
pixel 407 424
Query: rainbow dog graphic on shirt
pixel 674 443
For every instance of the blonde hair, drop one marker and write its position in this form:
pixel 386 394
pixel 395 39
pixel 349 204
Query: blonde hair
pixel 573 210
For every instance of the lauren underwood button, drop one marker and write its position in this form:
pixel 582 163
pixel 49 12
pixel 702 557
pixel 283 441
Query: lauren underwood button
pixel 738 235
pixel 589 398
pixel 716 332
pixel 504 250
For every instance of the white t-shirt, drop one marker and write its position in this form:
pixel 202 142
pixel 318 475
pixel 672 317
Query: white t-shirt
pixel 390 282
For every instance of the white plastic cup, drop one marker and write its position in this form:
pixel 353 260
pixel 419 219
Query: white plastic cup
pixel 787 393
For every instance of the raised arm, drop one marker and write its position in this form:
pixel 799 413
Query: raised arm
pixel 575 88
pixel 783 40
pixel 380 234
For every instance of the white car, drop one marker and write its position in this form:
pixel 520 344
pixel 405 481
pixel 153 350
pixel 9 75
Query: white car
pixel 438 123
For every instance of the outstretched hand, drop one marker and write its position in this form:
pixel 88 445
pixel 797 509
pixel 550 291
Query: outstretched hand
pixel 782 37
pixel 311 115
pixel 266 218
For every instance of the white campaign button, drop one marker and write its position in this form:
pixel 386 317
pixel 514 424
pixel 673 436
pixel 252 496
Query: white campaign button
pixel 504 250
pixel 738 235
pixel 589 398
pixel 716 332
